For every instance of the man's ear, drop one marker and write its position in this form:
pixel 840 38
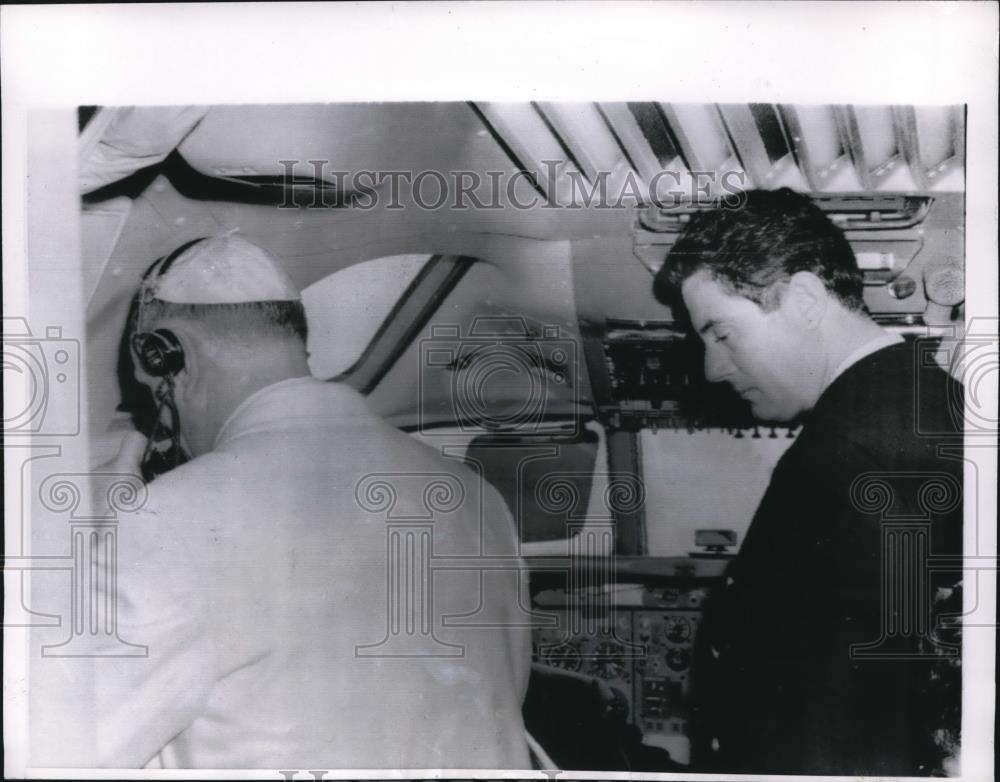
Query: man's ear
pixel 807 299
pixel 186 381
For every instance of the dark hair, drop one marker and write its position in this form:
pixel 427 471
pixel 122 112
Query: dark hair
pixel 242 321
pixel 775 234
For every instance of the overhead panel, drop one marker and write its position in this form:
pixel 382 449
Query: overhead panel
pixel 940 135
pixel 881 139
pixel 684 152
pixel 672 182
pixel 533 141
pixel 820 149
pixel 643 147
pixel 850 138
pixel 699 134
pixel 905 122
pixel 591 143
pixel 760 142
pixel 704 145
pixel 658 135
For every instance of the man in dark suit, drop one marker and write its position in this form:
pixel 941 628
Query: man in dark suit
pixel 823 652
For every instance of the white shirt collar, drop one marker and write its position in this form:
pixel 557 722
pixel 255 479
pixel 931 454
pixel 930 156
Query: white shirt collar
pixel 300 402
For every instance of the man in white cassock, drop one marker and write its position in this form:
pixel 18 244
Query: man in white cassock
pixel 262 573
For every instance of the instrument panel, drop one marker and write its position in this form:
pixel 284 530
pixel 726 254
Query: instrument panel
pixel 641 644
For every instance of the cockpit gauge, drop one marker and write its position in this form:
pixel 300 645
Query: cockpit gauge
pixel 678 658
pixel 610 662
pixel 677 629
pixel 564 656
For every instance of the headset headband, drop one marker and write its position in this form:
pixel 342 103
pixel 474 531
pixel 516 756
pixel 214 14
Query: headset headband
pixel 159 351
pixel 160 267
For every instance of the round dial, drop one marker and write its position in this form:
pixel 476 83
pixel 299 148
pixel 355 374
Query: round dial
pixel 564 656
pixel 609 663
pixel 678 659
pixel 677 629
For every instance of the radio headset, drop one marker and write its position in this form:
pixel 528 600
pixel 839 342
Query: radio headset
pixel 160 355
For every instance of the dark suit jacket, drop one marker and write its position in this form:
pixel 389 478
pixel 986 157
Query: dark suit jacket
pixel 870 480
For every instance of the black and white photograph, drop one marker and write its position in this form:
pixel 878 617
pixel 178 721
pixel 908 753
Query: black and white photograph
pixel 493 390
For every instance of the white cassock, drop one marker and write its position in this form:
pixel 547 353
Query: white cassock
pixel 281 584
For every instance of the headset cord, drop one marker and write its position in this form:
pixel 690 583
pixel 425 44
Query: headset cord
pixel 174 456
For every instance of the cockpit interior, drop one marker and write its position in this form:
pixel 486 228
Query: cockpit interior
pixel 482 273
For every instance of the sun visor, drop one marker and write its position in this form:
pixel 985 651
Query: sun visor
pixel 323 141
pixel 120 141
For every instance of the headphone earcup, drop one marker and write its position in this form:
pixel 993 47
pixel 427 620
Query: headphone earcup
pixel 159 352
